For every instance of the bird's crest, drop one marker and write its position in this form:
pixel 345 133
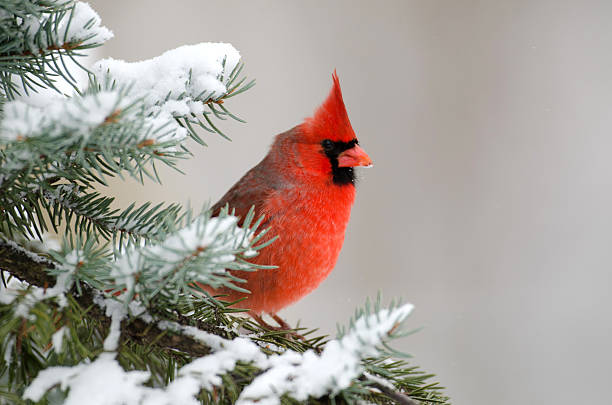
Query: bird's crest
pixel 331 121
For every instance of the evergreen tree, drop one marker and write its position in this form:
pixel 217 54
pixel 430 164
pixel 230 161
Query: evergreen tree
pixel 113 314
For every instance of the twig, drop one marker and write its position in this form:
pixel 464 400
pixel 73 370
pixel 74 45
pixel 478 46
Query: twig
pixel 398 397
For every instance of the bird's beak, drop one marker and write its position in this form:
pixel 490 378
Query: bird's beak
pixel 354 157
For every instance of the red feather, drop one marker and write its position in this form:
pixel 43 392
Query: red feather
pixel 331 121
pixel 292 186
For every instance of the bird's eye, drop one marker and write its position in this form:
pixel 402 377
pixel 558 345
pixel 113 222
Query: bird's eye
pixel 327 145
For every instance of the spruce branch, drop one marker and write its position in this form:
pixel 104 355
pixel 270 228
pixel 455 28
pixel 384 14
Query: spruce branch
pixel 110 129
pixel 398 397
pixel 195 89
pixel 201 252
pixel 33 270
pixel 195 336
pixel 36 39
pixel 90 213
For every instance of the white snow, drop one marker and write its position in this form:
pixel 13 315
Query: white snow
pixel 8 352
pixel 174 84
pixel 206 371
pixel 85 26
pixel 48 243
pixel 101 382
pixel 176 81
pixel 63 283
pixel 19 121
pixel 104 381
pixel 58 339
pixel 117 312
pixel 31 255
pixel 299 375
pixel 81 26
pixel 138 310
pixel 309 374
pixel 379 380
pixel 30 117
pixel 14 288
pixel 219 238
pixel 116 309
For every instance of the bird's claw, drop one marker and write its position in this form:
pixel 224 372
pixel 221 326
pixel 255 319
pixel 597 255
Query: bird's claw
pixel 283 326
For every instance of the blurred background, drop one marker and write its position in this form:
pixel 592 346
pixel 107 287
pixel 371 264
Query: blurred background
pixel 490 203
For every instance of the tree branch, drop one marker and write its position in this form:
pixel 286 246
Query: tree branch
pixel 33 270
pixel 399 397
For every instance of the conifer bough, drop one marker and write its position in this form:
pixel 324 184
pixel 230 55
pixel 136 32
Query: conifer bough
pixel 113 314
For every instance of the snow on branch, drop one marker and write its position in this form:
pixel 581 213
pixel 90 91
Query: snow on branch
pixel 56 116
pixel 179 79
pixel 103 123
pixel 304 375
pixel 206 372
pixel 30 297
pixel 41 39
pixel 201 252
pixel 102 381
pixel 98 117
pixel 298 375
pixel 179 82
pixel 78 26
pixel 149 106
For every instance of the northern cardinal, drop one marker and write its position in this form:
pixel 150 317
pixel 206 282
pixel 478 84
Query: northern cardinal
pixel 305 187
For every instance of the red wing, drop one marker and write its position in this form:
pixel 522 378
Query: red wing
pixel 253 189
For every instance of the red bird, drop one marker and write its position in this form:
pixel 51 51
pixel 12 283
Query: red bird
pixel 305 187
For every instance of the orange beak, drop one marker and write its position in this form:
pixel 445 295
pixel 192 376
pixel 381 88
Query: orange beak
pixel 354 157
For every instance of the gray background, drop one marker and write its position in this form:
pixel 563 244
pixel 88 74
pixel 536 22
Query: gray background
pixel 489 205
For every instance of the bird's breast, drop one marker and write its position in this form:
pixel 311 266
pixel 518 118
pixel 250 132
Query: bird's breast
pixel 310 224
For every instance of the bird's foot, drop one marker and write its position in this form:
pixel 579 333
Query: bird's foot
pixel 280 321
pixel 283 326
